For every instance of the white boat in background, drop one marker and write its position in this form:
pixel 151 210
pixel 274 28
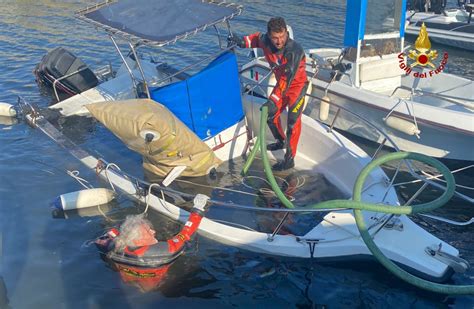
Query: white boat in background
pixel 452 27
pixel 329 235
pixel 420 107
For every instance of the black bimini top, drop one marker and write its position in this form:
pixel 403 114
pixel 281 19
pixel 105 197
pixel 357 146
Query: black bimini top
pixel 158 22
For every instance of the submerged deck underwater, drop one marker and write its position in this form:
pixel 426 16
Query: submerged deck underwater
pixel 47 262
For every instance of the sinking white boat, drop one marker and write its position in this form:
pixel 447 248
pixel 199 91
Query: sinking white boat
pixel 451 27
pixel 403 91
pixel 226 123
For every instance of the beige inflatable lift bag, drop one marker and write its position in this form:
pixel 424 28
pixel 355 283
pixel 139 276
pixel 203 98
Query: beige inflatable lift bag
pixel 173 143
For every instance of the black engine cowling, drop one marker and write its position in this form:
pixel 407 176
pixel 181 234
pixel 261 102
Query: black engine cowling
pixel 59 63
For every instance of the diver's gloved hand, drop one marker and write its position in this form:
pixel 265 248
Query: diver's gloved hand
pixel 269 104
pixel 200 203
pixel 235 40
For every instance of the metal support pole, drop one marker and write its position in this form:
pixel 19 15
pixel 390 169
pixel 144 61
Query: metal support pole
pixel 134 81
pixel 141 70
pixel 334 120
pixel 277 229
pixel 379 148
pixel 218 36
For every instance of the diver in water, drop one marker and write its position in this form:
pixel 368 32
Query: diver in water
pixel 287 60
pixel 139 257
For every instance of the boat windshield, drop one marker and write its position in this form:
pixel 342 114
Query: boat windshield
pixel 374 26
pixel 382 28
pixel 383 16
pixel 158 22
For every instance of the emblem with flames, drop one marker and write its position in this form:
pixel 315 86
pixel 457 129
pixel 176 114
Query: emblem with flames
pixel 422 55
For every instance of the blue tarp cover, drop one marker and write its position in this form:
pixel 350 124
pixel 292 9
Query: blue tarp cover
pixel 208 102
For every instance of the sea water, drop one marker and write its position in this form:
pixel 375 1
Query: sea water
pixel 46 262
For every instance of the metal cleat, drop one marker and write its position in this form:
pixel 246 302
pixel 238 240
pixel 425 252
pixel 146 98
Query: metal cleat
pixel 394 224
pixel 458 264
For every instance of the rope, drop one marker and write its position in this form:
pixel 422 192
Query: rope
pixel 74 174
pixel 81 181
pixel 107 175
pixel 162 200
pixel 357 205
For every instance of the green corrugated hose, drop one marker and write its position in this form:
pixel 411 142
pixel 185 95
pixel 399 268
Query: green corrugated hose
pixel 357 205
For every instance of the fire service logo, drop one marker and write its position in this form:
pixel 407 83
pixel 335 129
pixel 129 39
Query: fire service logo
pixel 422 56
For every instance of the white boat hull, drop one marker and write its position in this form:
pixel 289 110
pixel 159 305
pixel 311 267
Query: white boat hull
pixel 435 140
pixel 449 38
pixel 449 29
pixel 336 237
pixel 319 151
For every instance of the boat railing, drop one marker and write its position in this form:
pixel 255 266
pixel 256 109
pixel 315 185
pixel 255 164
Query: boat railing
pixel 191 66
pixel 389 220
pixel 251 86
pixel 259 84
pixel 56 81
pixel 427 178
pixel 104 72
pixel 144 82
pixel 104 169
pixel 465 102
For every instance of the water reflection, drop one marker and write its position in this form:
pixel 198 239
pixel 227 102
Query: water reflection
pixel 3 293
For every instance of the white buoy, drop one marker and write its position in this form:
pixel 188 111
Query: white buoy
pixel 7 110
pixel 84 198
pixel 324 108
pixel 402 125
pixel 100 210
pixel 8 121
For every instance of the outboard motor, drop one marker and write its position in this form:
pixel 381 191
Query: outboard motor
pixel 64 74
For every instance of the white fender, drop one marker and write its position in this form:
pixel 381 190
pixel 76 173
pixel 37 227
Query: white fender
pixel 100 210
pixel 8 121
pixel 7 110
pixel 324 108
pixel 84 198
pixel 402 125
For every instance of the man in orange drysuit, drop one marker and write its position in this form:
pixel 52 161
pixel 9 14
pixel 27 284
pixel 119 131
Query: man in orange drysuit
pixel 146 263
pixel 287 60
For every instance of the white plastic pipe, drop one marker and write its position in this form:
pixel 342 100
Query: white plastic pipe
pixel 7 110
pixel 84 198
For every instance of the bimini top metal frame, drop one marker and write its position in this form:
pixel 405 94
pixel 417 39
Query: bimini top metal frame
pixel 159 22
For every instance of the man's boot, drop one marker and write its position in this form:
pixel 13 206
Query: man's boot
pixel 279 144
pixel 287 163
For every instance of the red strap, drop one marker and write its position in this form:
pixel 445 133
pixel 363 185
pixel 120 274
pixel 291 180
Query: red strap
pixel 190 227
